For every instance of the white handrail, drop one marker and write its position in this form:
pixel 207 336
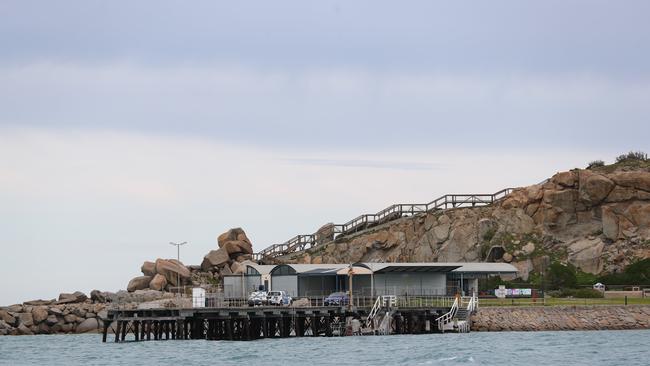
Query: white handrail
pixel 446 318
pixel 374 310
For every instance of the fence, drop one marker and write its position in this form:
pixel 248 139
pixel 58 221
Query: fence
pixel 415 301
pixel 393 212
pixel 552 301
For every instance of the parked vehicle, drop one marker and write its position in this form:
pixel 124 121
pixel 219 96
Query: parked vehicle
pixel 279 298
pixel 337 299
pixel 258 298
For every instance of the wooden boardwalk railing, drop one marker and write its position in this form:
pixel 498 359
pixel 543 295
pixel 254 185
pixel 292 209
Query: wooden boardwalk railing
pixel 390 213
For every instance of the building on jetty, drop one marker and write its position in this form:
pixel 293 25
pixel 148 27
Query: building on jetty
pixel 369 279
pixel 388 298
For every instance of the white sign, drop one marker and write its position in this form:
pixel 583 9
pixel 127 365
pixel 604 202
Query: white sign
pixel 198 297
pixel 501 292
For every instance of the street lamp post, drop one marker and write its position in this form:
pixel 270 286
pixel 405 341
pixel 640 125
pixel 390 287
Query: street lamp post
pixel 178 258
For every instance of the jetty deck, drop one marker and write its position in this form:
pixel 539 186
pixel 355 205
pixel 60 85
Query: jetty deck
pixel 251 323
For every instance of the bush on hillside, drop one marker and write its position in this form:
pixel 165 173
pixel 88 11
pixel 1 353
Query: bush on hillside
pixel 635 274
pixel 632 156
pixel 560 276
pixel 595 164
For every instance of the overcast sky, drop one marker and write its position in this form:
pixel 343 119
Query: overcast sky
pixel 126 125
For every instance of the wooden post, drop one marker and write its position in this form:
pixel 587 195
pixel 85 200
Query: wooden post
pixel 315 326
pixel 124 328
pixel 136 330
pixel 107 324
pixel 118 328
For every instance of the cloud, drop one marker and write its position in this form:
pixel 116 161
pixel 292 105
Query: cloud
pixel 396 165
pixel 330 108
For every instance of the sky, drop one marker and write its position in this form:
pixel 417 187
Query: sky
pixel 127 125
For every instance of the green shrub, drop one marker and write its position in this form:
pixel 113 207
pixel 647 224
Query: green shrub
pixel 560 276
pixel 588 293
pixel 585 279
pixel 581 293
pixel 595 164
pixel 632 156
pixel 489 234
pixel 635 274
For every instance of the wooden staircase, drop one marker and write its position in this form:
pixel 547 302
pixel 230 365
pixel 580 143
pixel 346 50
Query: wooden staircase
pixel 366 221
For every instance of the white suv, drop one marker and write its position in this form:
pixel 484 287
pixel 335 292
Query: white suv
pixel 279 298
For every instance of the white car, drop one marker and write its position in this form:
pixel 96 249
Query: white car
pixel 257 298
pixel 279 298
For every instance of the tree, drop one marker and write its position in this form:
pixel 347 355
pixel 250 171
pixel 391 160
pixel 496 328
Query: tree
pixel 560 276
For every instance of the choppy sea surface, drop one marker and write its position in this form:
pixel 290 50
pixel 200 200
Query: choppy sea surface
pixel 631 347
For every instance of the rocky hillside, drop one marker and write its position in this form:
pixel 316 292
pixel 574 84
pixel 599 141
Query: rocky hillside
pixel 597 219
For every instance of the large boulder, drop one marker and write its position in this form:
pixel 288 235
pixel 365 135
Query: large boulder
pixel 138 283
pixel 51 320
pixel 585 254
pixel 88 325
pixel 325 233
pixel 237 247
pixel 39 314
pixel 237 268
pixel 8 318
pixel 158 282
pixel 26 319
pixel 148 268
pixel 235 241
pixel 634 179
pixel 173 271
pixel 232 234
pixel 38 302
pixel 98 296
pixel 24 330
pixel 594 188
pixel 74 297
pixel 215 258
pixel 565 179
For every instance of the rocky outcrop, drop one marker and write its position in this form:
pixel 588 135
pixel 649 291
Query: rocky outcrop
pixel 63 316
pixel 598 220
pixel 160 275
pixel 87 316
pixel 234 248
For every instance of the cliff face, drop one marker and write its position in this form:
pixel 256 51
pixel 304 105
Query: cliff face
pixel 597 220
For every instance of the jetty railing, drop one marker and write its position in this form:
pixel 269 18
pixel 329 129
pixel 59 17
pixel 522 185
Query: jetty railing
pixel 410 301
pixel 365 221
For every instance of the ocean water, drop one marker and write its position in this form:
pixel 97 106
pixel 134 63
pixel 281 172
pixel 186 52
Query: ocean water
pixel 631 347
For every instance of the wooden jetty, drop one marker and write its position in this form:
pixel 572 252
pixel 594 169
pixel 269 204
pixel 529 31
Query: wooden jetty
pixel 251 323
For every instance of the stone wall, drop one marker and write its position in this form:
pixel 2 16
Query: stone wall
pixel 494 319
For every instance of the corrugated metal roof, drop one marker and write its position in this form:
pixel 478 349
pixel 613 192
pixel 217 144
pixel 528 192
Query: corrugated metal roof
pixel 477 267
pixel 465 267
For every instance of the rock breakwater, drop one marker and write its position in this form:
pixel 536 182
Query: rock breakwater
pixel 552 318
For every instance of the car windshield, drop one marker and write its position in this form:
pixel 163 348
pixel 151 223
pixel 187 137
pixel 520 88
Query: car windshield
pixel 337 294
pixel 274 293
